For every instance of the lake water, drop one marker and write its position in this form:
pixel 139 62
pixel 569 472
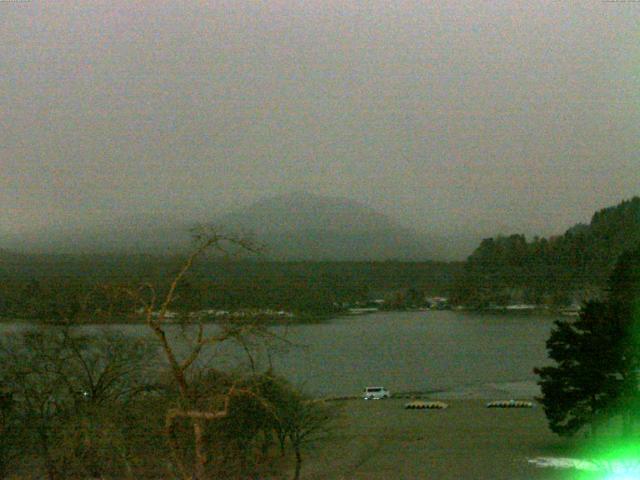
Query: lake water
pixel 403 351
pixel 416 351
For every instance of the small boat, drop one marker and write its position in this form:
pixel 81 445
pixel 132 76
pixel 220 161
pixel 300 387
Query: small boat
pixel 420 405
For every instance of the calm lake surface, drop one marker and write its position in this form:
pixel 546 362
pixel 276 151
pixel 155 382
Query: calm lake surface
pixel 416 351
pixel 404 351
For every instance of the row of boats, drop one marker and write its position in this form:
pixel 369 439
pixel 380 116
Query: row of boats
pixel 422 405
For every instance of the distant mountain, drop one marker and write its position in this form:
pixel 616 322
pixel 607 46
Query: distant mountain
pixel 570 267
pixel 303 226
pixel 296 226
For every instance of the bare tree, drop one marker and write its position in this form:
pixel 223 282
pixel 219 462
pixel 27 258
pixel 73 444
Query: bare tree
pixel 155 314
pixel 60 382
pixel 295 417
pixel 306 421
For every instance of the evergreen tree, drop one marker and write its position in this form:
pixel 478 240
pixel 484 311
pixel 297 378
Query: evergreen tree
pixel 597 358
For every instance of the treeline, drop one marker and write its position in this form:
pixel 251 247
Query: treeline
pixel 86 288
pixel 77 406
pixel 554 271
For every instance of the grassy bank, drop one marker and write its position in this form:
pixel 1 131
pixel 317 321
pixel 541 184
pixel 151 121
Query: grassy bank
pixel 382 440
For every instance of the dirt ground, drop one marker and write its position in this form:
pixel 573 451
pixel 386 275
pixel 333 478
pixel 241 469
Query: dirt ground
pixel 382 440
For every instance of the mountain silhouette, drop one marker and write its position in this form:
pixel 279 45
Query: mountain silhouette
pixel 296 226
pixel 302 226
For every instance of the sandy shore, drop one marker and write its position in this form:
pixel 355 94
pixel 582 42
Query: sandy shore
pixel 488 391
pixel 492 391
pixel 382 440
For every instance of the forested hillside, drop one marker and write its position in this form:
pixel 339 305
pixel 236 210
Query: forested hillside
pixel 55 286
pixel 554 271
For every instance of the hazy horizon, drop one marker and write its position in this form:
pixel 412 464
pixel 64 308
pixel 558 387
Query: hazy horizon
pixel 454 119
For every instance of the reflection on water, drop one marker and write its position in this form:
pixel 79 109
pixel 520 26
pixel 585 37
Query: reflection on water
pixel 404 351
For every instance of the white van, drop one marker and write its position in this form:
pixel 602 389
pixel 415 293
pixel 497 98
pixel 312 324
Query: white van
pixel 375 393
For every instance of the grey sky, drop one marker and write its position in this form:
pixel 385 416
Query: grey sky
pixel 449 115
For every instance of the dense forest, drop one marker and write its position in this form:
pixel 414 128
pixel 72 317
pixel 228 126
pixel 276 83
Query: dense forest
pixel 88 288
pixel 556 271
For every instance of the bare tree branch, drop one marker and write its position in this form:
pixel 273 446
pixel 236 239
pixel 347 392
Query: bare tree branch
pixel 206 239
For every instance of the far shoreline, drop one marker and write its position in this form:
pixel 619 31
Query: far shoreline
pixel 301 319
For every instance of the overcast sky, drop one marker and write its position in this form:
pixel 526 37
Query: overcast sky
pixel 498 116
